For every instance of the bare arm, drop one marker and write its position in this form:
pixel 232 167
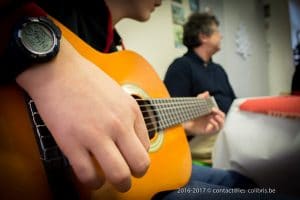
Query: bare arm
pixel 81 106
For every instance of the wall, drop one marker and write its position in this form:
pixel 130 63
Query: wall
pixel 249 77
pixel 261 74
pixel 153 39
pixel 280 51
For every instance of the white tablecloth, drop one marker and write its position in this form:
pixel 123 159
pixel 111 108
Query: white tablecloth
pixel 264 148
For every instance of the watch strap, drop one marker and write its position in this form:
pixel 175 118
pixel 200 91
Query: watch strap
pixel 16 59
pixel 10 67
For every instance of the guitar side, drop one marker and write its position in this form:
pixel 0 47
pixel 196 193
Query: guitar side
pixel 22 173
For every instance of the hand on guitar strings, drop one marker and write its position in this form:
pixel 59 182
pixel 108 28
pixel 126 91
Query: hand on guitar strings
pixel 208 124
pixel 88 113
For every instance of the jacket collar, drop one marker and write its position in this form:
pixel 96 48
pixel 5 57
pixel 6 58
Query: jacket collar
pixel 191 54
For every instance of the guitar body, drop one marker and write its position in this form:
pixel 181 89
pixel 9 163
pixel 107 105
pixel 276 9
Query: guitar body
pixel 22 172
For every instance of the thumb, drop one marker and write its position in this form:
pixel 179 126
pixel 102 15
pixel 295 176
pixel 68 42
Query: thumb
pixel 203 94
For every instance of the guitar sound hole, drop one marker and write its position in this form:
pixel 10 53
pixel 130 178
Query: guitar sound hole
pixel 149 114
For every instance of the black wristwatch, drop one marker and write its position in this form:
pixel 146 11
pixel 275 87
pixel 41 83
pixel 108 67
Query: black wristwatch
pixel 34 40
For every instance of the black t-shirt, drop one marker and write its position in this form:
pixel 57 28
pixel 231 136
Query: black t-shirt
pixel 189 75
pixel 89 19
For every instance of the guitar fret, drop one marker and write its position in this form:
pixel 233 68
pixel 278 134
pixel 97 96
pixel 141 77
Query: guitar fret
pixel 48 147
pixel 160 117
pixel 174 111
pixel 37 120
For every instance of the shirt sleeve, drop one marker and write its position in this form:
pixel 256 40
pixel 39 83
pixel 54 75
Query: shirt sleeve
pixel 230 87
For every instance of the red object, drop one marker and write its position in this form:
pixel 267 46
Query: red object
pixel 110 34
pixel 288 106
pixel 296 93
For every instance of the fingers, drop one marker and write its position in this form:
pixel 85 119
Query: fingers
pixel 211 127
pixel 135 145
pixel 204 94
pixel 214 124
pixel 113 164
pixel 120 154
pixel 135 153
pixel 84 167
pixel 218 112
pixel 121 158
pixel 219 116
pixel 141 131
pixel 220 120
pixel 216 121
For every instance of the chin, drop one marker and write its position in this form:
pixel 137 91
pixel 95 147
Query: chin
pixel 143 18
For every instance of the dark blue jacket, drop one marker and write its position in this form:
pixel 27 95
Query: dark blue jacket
pixel 189 75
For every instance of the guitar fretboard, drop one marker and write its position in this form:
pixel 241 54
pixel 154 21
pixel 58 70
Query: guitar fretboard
pixel 56 165
pixel 49 151
pixel 160 114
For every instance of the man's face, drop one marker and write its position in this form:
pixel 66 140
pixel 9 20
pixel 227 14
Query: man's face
pixel 214 40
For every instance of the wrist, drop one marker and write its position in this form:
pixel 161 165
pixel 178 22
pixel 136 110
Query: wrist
pixel 55 73
pixel 33 40
pixel 39 75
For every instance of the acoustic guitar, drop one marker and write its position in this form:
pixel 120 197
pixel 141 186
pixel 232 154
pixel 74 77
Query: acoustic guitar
pixel 33 167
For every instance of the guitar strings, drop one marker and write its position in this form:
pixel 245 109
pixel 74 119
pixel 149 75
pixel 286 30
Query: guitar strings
pixel 174 110
pixel 177 99
pixel 171 118
pixel 178 107
pixel 167 123
pixel 169 104
pixel 168 110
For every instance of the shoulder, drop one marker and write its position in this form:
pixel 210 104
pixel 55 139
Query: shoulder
pixel 219 67
pixel 178 68
pixel 180 63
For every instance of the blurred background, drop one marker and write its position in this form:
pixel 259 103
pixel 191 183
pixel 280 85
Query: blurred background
pixel 258 49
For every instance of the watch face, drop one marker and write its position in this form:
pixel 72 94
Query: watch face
pixel 37 38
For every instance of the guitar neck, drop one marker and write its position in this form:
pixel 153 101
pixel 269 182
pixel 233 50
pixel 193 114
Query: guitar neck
pixel 160 114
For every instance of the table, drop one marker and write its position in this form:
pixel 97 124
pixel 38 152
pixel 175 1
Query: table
pixel 262 147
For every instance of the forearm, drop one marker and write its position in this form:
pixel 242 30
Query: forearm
pixel 56 70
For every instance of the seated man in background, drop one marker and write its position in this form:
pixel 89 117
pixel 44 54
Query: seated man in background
pixel 296 81
pixel 195 72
